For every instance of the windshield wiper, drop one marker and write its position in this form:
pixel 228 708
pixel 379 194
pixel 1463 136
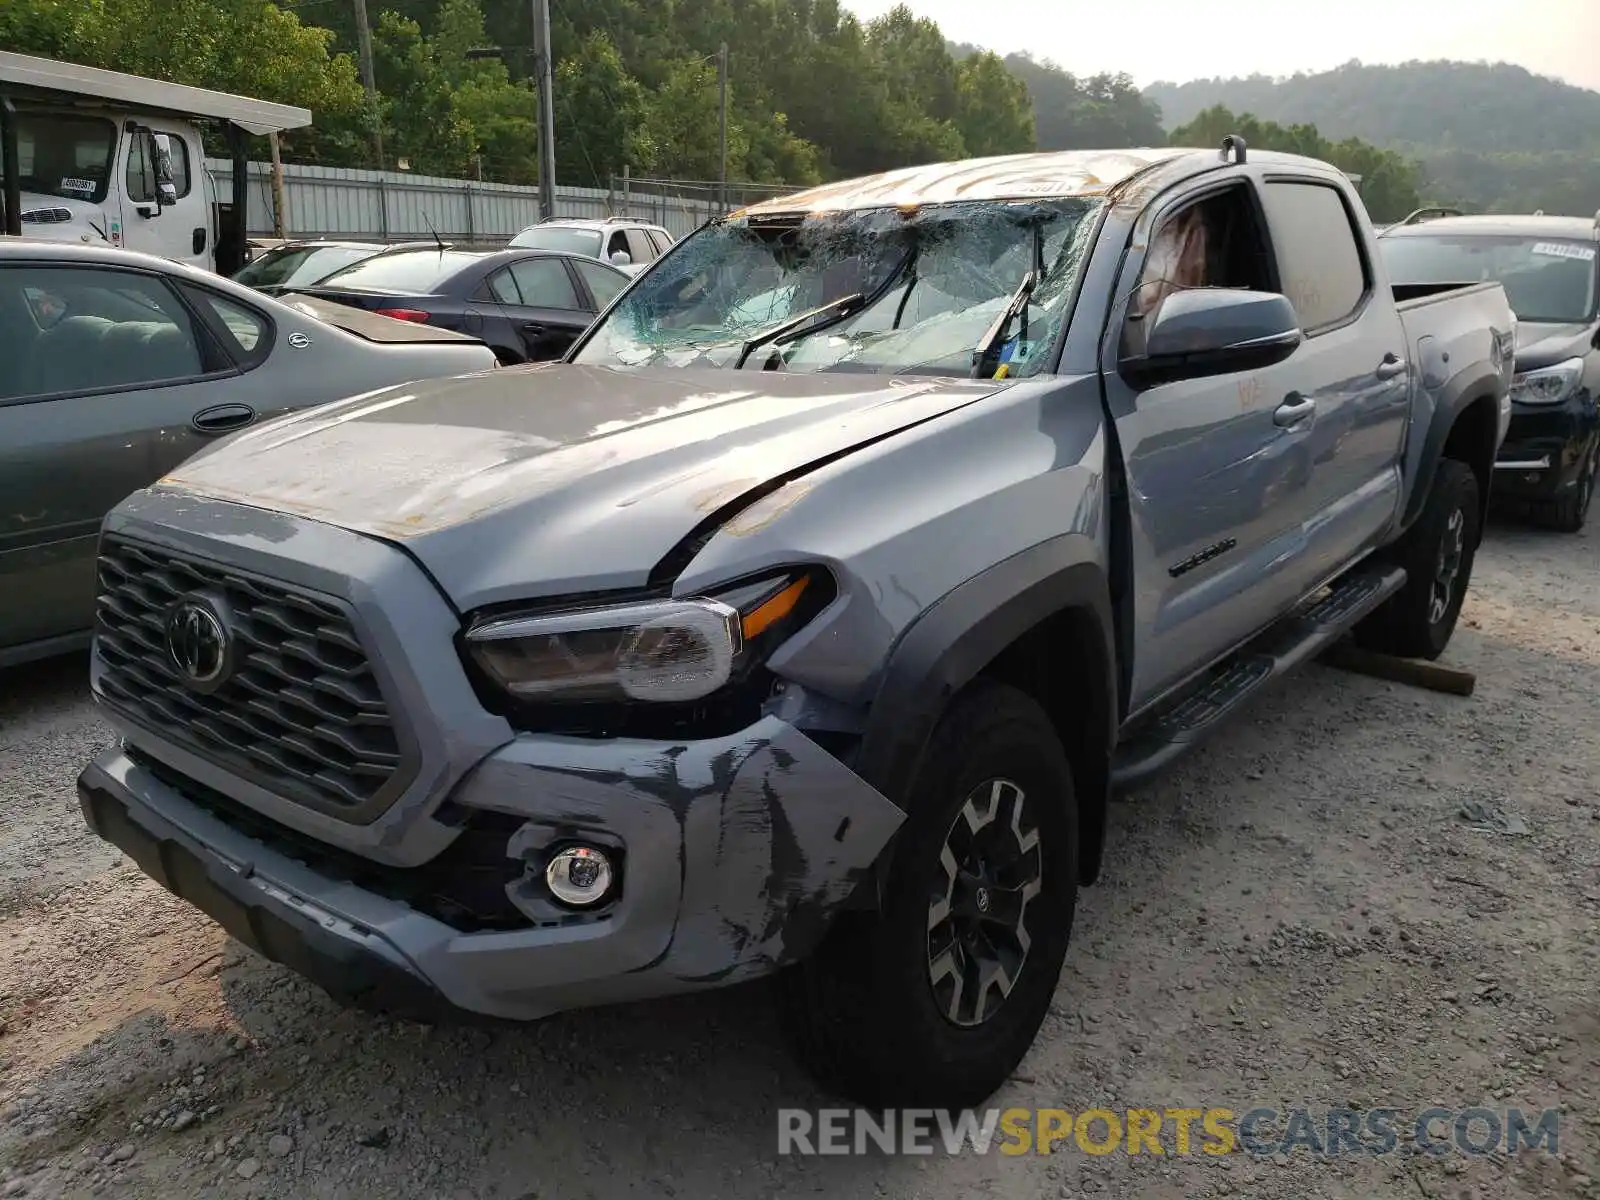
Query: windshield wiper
pixel 989 348
pixel 830 313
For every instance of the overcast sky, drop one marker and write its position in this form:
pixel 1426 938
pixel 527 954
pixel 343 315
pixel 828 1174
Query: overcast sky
pixel 1194 39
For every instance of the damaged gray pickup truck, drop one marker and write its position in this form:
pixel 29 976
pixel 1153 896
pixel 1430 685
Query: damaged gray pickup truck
pixel 801 621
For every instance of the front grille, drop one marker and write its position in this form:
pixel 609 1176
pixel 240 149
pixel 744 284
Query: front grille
pixel 46 216
pixel 301 714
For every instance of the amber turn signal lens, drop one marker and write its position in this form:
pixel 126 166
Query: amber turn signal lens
pixel 771 611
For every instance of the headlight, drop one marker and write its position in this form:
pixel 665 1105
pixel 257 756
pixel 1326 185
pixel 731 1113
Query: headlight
pixel 1548 385
pixel 662 651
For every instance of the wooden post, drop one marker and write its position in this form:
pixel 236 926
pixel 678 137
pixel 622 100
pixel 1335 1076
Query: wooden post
pixel 280 221
pixel 1436 677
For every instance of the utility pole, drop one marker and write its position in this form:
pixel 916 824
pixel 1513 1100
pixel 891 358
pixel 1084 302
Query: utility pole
pixel 722 104
pixel 364 47
pixel 547 109
pixel 279 220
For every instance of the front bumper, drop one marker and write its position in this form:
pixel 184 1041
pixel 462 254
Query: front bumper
pixel 735 852
pixel 1545 448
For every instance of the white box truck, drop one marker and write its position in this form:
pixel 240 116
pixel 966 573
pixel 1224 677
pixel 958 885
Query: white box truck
pixel 98 156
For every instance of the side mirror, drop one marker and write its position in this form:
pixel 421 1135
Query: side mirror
pixel 621 258
pixel 1214 331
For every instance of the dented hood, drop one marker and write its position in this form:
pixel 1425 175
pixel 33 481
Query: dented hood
pixel 556 479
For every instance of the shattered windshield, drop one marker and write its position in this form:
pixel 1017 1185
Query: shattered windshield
pixel 930 291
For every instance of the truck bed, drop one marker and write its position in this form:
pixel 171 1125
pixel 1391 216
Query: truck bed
pixel 1415 295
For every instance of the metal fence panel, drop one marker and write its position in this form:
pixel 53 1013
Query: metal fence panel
pixel 397 205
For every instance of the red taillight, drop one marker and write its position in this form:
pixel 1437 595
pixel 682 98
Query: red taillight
pixel 403 314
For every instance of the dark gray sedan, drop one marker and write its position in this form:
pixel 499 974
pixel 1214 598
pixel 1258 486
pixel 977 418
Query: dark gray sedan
pixel 115 367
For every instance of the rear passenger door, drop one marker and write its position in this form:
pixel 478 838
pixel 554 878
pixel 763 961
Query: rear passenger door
pixel 1350 367
pixel 106 373
pixel 549 312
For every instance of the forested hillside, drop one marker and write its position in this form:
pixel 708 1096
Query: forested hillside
pixel 814 93
pixel 1490 137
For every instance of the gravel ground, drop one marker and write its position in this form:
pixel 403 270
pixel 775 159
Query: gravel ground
pixel 1301 917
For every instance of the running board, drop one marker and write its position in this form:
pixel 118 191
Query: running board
pixel 1304 633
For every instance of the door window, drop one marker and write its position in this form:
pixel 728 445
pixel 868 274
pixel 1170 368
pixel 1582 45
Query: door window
pixel 602 283
pixel 663 243
pixel 639 246
pixel 1217 241
pixel 544 283
pixel 141 178
pixel 1319 255
pixel 70 330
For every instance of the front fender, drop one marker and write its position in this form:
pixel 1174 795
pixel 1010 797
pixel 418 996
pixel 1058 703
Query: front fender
pixel 957 638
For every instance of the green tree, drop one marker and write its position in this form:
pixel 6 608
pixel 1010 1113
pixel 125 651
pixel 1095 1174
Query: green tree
pixel 421 123
pixel 1389 184
pixel 601 113
pixel 915 62
pixel 681 129
pixel 992 109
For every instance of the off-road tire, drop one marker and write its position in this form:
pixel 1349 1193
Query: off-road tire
pixel 1568 514
pixel 1411 623
pixel 861 1014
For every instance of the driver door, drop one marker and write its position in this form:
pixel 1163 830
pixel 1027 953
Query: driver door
pixel 1218 488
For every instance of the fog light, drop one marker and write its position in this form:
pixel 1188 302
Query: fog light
pixel 579 875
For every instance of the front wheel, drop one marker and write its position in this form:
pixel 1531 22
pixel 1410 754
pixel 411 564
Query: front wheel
pixel 933 1000
pixel 1437 554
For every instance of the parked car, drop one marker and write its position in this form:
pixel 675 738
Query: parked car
pixel 625 244
pixel 1550 269
pixel 296 264
pixel 527 305
pixel 117 366
pixel 810 642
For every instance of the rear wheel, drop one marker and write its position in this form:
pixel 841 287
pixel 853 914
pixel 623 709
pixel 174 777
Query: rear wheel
pixel 1568 514
pixel 1437 554
pixel 934 1000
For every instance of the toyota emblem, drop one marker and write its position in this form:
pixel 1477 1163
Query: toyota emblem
pixel 197 643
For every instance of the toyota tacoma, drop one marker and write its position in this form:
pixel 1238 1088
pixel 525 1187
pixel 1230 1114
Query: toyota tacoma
pixel 801 621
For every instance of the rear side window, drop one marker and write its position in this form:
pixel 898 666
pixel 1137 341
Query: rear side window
pixel 1319 256
pixel 503 289
pixel 246 330
pixel 662 242
pixel 639 246
pixel 544 283
pixel 603 283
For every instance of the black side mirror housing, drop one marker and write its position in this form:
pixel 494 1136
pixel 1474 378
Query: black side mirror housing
pixel 1214 331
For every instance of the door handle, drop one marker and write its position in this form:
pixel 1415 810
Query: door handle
pixel 533 329
pixel 1294 409
pixel 1392 367
pixel 222 418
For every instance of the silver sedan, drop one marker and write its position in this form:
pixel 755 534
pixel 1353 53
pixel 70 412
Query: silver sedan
pixel 115 367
